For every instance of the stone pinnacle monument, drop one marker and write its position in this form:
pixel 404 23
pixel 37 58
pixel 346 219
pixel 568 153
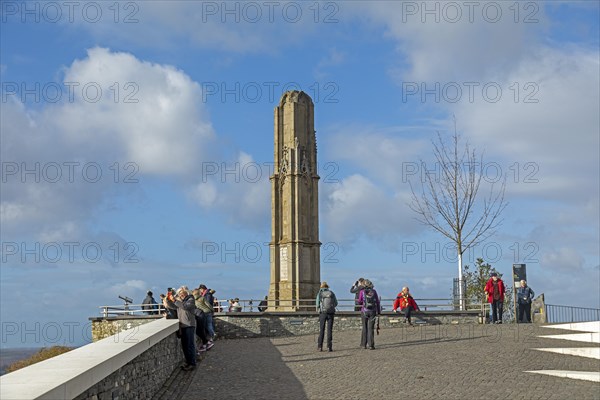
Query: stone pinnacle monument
pixel 294 246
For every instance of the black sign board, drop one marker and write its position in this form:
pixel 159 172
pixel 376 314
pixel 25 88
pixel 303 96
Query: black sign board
pixel 519 272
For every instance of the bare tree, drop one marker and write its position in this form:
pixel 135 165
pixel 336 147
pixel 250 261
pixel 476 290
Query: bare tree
pixel 448 202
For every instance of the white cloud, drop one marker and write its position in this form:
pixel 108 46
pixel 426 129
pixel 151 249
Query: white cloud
pixel 85 150
pixel 356 207
pixel 240 190
pixel 452 41
pixel 557 136
pixel 239 27
pixel 563 259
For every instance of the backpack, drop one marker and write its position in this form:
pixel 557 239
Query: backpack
pixel 327 303
pixel 369 300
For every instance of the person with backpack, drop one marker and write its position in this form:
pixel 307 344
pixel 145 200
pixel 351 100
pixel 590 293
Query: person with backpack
pixel 326 304
pixel 371 308
pixel 404 302
pixel 524 298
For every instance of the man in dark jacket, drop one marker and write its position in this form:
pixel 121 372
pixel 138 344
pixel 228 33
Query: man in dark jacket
pixel 149 305
pixel 264 304
pixel 185 305
pixel 356 288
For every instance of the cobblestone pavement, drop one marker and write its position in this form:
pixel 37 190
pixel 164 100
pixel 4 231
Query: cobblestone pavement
pixel 427 362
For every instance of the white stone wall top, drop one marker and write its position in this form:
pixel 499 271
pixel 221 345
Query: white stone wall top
pixel 70 374
pixel 592 326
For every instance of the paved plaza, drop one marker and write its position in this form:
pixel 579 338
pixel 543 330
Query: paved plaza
pixel 427 362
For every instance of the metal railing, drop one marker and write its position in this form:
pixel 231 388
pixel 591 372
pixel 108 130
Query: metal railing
pixel 558 314
pixel 251 305
pixel 130 309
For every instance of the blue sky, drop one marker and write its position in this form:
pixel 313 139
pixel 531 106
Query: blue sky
pixel 149 132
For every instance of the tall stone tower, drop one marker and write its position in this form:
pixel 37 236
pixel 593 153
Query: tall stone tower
pixel 295 246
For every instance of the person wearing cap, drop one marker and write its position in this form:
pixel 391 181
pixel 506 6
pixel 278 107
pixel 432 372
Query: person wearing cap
pixel 494 290
pixel 149 305
pixel 186 306
pixel 209 299
pixel 326 303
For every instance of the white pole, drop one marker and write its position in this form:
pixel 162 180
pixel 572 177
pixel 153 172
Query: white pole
pixel 460 280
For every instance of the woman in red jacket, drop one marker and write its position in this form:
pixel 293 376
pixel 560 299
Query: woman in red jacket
pixel 405 302
pixel 494 290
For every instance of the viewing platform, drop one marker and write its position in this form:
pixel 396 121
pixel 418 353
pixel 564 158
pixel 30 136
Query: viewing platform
pixel 266 355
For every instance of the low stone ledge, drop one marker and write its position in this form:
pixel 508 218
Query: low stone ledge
pixel 274 324
pixel 85 372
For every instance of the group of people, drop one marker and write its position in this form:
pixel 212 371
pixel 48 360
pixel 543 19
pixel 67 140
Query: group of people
pixel 496 292
pixel 194 310
pixel 367 302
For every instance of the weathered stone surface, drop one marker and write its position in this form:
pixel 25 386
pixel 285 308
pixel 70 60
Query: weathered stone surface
pixel 249 325
pixel 143 376
pixel 105 327
pixel 295 245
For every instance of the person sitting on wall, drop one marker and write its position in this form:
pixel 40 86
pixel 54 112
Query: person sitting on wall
pixel 404 302
pixel 234 305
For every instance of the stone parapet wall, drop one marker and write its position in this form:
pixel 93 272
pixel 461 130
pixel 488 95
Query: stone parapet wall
pixel 142 377
pixel 132 364
pixel 247 325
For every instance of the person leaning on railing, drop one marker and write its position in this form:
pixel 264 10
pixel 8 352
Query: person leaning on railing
pixel 185 305
pixel 207 294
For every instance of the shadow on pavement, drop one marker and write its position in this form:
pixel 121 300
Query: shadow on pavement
pixel 244 369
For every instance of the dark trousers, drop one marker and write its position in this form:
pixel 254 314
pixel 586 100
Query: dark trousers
pixel 408 312
pixel 210 327
pixel 188 344
pixel 325 318
pixel 524 311
pixel 368 329
pixel 201 331
pixel 497 307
